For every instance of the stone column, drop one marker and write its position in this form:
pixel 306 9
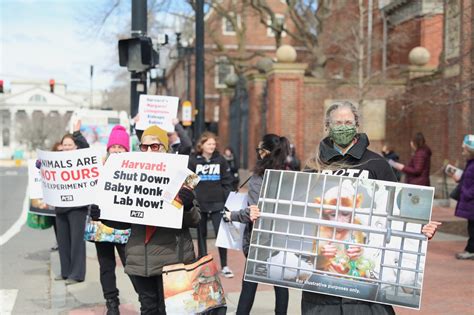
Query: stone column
pixel 223 125
pixel 257 121
pixel 285 116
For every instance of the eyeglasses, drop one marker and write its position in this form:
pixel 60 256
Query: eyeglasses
pixel 155 147
pixel 343 122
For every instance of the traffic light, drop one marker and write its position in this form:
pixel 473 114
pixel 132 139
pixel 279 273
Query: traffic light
pixel 137 54
pixel 51 85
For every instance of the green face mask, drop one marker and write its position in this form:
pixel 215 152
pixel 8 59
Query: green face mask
pixel 342 135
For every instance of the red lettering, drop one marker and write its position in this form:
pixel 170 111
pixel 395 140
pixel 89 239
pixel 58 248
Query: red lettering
pixel 65 176
pixel 48 175
pixel 85 173
pixel 95 172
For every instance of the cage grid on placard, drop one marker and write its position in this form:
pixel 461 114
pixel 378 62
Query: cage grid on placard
pixel 301 213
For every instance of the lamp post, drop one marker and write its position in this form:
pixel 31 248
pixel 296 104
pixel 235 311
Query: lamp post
pixel 199 79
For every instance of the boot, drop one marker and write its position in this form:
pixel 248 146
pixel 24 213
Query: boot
pixel 113 306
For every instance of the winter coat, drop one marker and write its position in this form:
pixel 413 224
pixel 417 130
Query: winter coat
pixel 216 181
pixel 394 157
pixel 465 205
pixel 184 145
pixel 243 215
pixel 147 260
pixel 418 169
pixel 365 164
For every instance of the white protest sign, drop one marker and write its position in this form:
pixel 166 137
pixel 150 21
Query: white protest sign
pixel 34 181
pixel 157 110
pixel 70 177
pixel 132 186
pixel 231 233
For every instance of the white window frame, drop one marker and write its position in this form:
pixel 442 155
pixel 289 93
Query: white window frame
pixel 224 24
pixel 219 61
pixel 270 32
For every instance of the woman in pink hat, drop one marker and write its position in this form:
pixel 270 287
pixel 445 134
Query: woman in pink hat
pixel 119 141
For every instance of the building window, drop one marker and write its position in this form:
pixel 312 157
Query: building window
pixel 37 99
pixel 280 20
pixel 6 137
pixel 228 27
pixel 223 69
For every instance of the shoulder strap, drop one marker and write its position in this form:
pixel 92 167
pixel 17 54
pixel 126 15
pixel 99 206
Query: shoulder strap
pixel 243 184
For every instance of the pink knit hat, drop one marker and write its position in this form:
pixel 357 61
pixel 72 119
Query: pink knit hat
pixel 119 136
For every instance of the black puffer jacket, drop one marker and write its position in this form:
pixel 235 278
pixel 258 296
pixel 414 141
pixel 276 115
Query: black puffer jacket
pixel 216 180
pixel 364 163
pixel 147 260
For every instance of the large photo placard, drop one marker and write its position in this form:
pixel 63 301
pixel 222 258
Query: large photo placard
pixel 350 237
pixel 133 188
pixel 69 178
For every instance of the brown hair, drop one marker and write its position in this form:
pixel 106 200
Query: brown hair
pixel 56 146
pixel 418 140
pixel 66 136
pixel 203 139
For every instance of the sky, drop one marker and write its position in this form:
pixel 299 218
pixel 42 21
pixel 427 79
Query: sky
pixel 53 39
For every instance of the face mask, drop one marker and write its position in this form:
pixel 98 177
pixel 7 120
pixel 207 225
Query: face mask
pixel 342 135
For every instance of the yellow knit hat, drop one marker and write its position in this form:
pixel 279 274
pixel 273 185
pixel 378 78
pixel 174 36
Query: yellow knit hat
pixel 156 131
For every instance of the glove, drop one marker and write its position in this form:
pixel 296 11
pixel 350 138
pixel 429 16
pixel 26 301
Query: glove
pixel 38 164
pixel 94 212
pixel 186 197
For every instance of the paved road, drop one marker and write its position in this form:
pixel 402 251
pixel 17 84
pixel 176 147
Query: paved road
pixel 25 257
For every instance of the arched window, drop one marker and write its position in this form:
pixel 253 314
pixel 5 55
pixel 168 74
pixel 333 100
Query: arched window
pixel 37 99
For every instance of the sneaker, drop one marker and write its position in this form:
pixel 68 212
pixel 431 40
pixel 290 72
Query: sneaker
pixel 465 255
pixel 226 272
pixel 59 277
pixel 54 248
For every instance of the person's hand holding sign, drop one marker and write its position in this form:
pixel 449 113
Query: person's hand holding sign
pixel 254 212
pixel 354 252
pixel 77 125
pixel 430 229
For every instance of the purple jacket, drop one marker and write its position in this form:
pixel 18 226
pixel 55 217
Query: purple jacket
pixel 418 169
pixel 465 206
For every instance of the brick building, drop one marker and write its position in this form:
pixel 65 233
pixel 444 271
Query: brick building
pixel 401 90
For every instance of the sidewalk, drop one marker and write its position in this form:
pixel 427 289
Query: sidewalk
pixel 448 287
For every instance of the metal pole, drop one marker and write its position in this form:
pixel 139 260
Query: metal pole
pixel 199 79
pixel 139 28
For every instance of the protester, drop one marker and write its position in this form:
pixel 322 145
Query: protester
pixel 233 162
pixel 465 205
pixel 389 154
pixel 150 248
pixel 272 153
pixel 212 191
pixel 346 150
pixel 70 223
pixel 56 147
pixel 418 169
pixel 119 141
pixel 179 141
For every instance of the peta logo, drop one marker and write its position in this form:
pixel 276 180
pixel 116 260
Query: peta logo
pixel 137 214
pixel 208 169
pixel 67 198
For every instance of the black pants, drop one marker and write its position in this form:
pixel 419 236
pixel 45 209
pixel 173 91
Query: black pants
pixel 107 264
pixel 247 296
pixel 216 217
pixel 151 295
pixel 470 231
pixel 72 247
